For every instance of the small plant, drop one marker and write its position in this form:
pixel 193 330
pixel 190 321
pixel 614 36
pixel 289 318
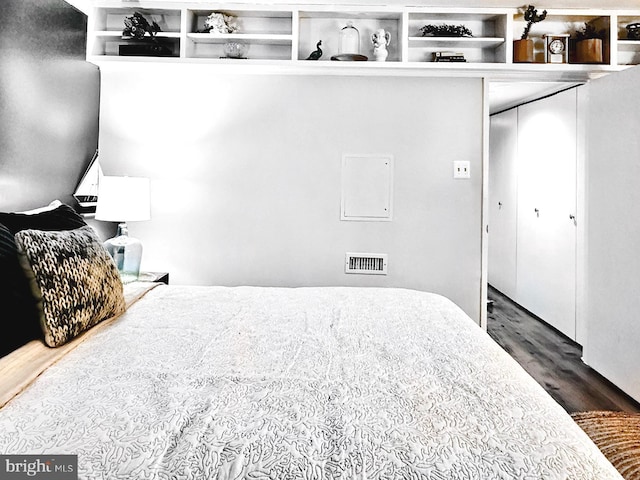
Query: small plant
pixel 445 31
pixel 136 26
pixel 531 16
pixel 220 23
pixel 589 32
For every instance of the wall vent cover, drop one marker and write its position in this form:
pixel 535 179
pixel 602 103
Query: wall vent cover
pixel 366 263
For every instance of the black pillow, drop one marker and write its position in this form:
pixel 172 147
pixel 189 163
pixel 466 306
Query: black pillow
pixel 19 308
pixel 60 218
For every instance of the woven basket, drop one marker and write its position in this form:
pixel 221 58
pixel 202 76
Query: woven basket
pixel 617 435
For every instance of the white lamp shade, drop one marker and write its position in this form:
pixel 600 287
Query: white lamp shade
pixel 123 199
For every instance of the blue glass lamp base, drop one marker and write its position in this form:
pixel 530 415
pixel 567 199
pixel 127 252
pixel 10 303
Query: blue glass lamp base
pixel 126 251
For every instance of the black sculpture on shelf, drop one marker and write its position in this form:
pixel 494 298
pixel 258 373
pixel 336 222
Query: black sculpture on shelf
pixel 136 26
pixel 317 53
pixel 142 35
pixel 633 31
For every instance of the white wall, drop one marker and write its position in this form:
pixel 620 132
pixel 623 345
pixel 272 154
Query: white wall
pixel 613 229
pixel 246 172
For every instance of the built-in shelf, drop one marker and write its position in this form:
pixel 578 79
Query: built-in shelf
pixel 449 43
pixel 283 37
pixel 626 51
pixel 266 39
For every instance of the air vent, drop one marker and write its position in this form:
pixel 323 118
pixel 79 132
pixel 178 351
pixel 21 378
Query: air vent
pixel 366 263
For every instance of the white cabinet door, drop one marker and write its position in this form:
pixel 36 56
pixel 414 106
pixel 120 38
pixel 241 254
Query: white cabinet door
pixel 503 189
pixel 546 253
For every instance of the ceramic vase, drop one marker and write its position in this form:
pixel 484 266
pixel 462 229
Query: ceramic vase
pixel 523 51
pixel 589 51
pixel 380 54
pixel 380 39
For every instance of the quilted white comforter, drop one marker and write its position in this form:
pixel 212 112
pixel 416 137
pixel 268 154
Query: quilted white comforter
pixel 305 383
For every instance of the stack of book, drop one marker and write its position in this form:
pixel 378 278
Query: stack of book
pixel 448 57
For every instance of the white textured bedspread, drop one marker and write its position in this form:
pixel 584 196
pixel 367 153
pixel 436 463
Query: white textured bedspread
pixel 309 383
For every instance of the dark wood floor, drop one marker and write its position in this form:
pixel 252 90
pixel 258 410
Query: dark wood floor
pixel 552 359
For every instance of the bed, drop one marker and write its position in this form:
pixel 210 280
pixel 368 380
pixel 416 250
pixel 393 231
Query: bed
pixel 287 383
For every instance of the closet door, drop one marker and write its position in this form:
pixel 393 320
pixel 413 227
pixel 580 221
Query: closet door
pixel 546 253
pixel 503 189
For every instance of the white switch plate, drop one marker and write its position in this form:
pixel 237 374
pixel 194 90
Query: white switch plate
pixel 461 169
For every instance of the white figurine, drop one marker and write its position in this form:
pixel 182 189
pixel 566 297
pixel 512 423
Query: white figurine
pixel 380 40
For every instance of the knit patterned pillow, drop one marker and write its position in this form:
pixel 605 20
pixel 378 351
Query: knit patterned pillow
pixel 77 278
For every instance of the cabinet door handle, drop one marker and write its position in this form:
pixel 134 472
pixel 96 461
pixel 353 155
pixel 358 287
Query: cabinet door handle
pixel 573 217
pixel 537 212
pixel 499 205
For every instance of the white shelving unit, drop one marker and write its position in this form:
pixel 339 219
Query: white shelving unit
pixel 267 34
pixel 627 51
pixel 325 25
pixel 105 29
pixel 567 21
pixel 282 37
pixel 487 45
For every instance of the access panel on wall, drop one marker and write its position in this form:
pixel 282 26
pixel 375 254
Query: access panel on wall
pixel 367 187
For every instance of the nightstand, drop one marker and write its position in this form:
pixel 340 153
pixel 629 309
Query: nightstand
pixel 162 277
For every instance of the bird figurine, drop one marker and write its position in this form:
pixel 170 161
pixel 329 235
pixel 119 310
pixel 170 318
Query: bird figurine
pixel 317 53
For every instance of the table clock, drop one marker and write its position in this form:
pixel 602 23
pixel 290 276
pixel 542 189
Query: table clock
pixel 556 48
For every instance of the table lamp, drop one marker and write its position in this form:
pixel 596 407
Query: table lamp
pixel 122 200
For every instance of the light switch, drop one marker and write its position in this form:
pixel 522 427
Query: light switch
pixel 461 169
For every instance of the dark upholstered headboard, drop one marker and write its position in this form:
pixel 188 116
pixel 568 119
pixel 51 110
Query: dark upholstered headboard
pixel 49 103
